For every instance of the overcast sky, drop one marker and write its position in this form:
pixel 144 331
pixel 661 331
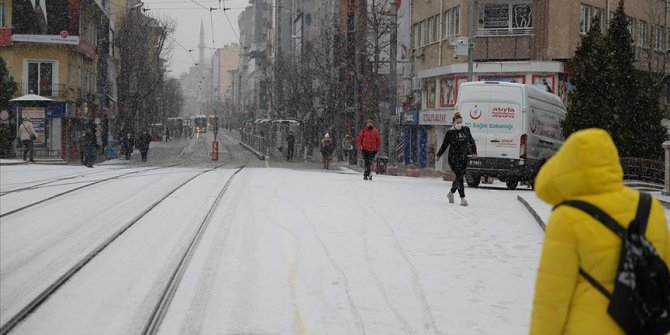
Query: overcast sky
pixel 189 14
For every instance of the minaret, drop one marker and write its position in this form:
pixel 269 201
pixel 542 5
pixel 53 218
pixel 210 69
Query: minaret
pixel 201 46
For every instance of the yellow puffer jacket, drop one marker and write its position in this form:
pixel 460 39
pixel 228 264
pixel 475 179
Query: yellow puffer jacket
pixel 585 168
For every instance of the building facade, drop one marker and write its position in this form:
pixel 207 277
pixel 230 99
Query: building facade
pixel 525 41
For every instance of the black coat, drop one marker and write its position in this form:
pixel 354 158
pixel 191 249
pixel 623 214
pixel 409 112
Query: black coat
pixel 143 141
pixel 461 144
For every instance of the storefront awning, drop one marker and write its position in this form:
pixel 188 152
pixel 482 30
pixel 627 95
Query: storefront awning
pixel 31 97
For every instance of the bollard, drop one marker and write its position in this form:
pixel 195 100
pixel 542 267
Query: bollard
pixel 666 147
pixel 215 150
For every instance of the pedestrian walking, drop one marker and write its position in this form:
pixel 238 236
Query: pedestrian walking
pixel 461 144
pixel 290 140
pixel 128 144
pixel 347 147
pixel 143 142
pixel 578 246
pixel 369 142
pixel 327 147
pixel 90 145
pixel 27 135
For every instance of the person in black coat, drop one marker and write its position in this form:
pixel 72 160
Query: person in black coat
pixel 461 144
pixel 90 145
pixel 290 140
pixel 143 144
pixel 128 143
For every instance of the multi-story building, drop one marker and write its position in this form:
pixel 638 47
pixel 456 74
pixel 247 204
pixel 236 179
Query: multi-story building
pixel 53 50
pixel 224 63
pixel 526 41
pixel 253 23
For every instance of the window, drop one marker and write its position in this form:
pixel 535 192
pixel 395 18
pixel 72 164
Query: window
pixel 506 19
pixel 451 22
pixel 643 34
pixel 40 78
pixel 658 38
pixel 584 19
pixel 3 11
pixel 417 35
pixel 631 27
pixel 424 33
pixel 598 13
pixel 431 32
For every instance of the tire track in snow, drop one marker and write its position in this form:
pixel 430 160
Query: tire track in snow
pixel 429 321
pixel 345 280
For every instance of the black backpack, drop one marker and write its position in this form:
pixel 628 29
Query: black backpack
pixel 640 302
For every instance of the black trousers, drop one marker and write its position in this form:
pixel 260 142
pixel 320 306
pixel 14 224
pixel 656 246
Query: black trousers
pixel 368 156
pixel 28 147
pixel 459 183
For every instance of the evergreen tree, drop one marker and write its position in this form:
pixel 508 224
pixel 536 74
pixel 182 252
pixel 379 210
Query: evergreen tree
pixel 589 75
pixel 611 94
pixel 634 96
pixel 7 91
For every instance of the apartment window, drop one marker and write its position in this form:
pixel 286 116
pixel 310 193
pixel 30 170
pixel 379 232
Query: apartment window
pixel 436 27
pixel 431 31
pixel 658 38
pixel 598 13
pixel 3 12
pixel 584 19
pixel 40 78
pixel 631 27
pixel 644 42
pixel 506 19
pixel 417 35
pixel 424 33
pixel 451 22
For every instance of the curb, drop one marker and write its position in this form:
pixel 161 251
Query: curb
pixel 532 212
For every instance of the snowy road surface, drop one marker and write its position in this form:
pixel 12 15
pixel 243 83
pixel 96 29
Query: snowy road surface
pixel 286 251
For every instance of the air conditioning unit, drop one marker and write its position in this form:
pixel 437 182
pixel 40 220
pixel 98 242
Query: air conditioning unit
pixel 416 84
pixel 418 53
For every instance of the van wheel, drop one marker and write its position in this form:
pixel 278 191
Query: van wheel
pixel 512 184
pixel 473 180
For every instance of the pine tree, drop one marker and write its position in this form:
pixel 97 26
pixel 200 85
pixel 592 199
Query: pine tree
pixel 634 96
pixel 589 75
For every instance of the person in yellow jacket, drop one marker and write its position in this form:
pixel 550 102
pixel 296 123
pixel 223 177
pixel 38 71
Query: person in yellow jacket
pixel 586 168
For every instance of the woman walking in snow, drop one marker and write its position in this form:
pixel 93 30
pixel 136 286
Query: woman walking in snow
pixel 461 144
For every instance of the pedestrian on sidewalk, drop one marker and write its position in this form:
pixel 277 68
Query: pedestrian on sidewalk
pixel 90 145
pixel 27 135
pixel 290 139
pixel 143 142
pixel 327 147
pixel 576 245
pixel 461 144
pixel 128 144
pixel 369 142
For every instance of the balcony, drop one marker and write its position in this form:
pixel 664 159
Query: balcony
pixel 54 91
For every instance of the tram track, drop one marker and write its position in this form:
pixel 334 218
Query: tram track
pixel 58 195
pixel 25 312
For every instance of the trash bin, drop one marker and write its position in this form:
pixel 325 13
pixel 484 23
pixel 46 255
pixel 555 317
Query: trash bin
pixel 382 161
pixel 112 153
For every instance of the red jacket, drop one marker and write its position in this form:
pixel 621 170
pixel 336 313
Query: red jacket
pixel 369 140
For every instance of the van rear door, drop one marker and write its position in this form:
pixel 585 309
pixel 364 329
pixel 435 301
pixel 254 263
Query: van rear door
pixel 495 117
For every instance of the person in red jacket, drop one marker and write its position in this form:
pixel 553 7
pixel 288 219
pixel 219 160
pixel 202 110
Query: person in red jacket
pixel 369 142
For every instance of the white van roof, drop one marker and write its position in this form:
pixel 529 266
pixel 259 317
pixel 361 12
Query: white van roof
pixel 530 91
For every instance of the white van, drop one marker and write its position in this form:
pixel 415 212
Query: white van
pixel 517 127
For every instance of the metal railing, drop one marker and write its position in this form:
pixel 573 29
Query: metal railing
pixel 483 32
pixel 256 142
pixel 54 90
pixel 643 169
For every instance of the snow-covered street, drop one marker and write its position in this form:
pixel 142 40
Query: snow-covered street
pixel 284 251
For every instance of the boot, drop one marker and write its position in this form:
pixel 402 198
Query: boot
pixel 450 196
pixel 464 202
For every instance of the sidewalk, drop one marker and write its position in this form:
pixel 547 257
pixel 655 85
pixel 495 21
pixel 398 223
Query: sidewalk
pixel 51 161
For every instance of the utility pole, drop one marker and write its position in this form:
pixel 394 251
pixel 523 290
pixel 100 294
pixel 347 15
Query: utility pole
pixel 471 35
pixel 393 89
